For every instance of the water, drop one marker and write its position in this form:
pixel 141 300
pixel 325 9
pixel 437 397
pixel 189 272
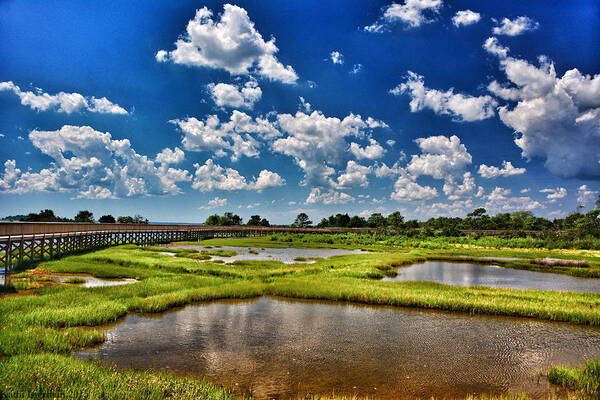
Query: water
pixel 92 281
pixel 462 274
pixel 285 255
pixel 273 348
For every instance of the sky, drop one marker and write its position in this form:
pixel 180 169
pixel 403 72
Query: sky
pixel 179 110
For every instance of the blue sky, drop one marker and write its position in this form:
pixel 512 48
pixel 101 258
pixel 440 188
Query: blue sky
pixel 177 110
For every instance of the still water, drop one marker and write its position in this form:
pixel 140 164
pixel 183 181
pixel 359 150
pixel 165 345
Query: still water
pixel 274 348
pixel 463 274
pixel 284 255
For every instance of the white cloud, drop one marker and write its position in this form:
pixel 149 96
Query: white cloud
pixel 336 57
pixel 383 171
pixel 211 176
pixel 304 106
pixel 516 26
pixel 465 17
pixel 461 107
pixel 356 68
pixel 214 203
pixel 317 142
pixel 62 102
pixel 586 196
pixel 555 194
pixel 453 209
pixel 390 142
pixel 221 138
pixel 329 197
pixel 493 46
pixel 96 192
pixel 454 189
pixel 354 175
pixel 526 190
pixel 413 13
pixel 168 156
pixel 501 201
pixel 405 189
pixel 557 119
pixel 371 151
pixel 230 42
pixel 493 172
pixel 442 157
pixel 226 95
pixel 95 165
pixel 2 135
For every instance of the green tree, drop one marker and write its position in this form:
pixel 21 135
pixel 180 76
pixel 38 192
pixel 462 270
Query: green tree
pixel 84 216
pixel 254 220
pixel 125 220
pixel 212 220
pixel 376 220
pixel 302 221
pixel 138 219
pixel 264 222
pixel 395 220
pixel 107 219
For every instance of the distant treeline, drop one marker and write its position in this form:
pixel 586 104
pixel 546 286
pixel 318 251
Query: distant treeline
pixel 229 219
pixel 582 224
pixel 82 216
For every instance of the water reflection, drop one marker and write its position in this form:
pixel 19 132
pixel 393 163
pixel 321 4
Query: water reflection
pixel 463 274
pixel 285 255
pixel 278 348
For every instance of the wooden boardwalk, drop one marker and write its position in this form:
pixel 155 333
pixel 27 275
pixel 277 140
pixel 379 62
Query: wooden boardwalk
pixel 30 241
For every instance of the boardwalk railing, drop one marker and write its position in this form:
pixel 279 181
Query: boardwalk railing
pixel 29 241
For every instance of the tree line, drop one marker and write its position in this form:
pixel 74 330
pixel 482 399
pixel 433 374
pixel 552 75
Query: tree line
pixel 82 216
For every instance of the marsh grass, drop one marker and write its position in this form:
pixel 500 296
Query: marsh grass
pixel 584 380
pixel 75 280
pixel 59 319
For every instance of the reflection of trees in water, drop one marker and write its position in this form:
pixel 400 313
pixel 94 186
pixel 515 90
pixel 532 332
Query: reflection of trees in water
pixel 282 347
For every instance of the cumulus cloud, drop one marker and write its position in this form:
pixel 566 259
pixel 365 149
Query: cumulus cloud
pixel 500 200
pixel 214 203
pixel 62 102
pixel 453 209
pixel 555 194
pixel 413 13
pixel 211 176
pixel 318 143
pixel 493 46
pixel 405 189
pixel 586 196
pixel 461 107
pixel 336 57
pixel 232 137
pixel 168 156
pixel 372 151
pixel 493 172
pixel 465 17
pixel 237 96
pixel 555 118
pixel 441 157
pixel 328 197
pixel 230 42
pixel 383 171
pixel 96 166
pixel 515 26
pixel 355 175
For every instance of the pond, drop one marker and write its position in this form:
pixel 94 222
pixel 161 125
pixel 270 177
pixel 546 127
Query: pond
pixel 284 255
pixel 466 274
pixel 275 348
pixel 92 281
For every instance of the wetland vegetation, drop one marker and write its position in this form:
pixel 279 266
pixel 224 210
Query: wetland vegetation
pixel 43 322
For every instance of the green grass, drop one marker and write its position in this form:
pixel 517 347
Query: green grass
pixel 585 380
pixel 75 280
pixel 57 376
pixel 39 330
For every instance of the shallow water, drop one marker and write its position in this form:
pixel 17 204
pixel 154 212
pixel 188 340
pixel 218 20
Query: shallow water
pixel 285 255
pixel 463 274
pixel 274 348
pixel 92 281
